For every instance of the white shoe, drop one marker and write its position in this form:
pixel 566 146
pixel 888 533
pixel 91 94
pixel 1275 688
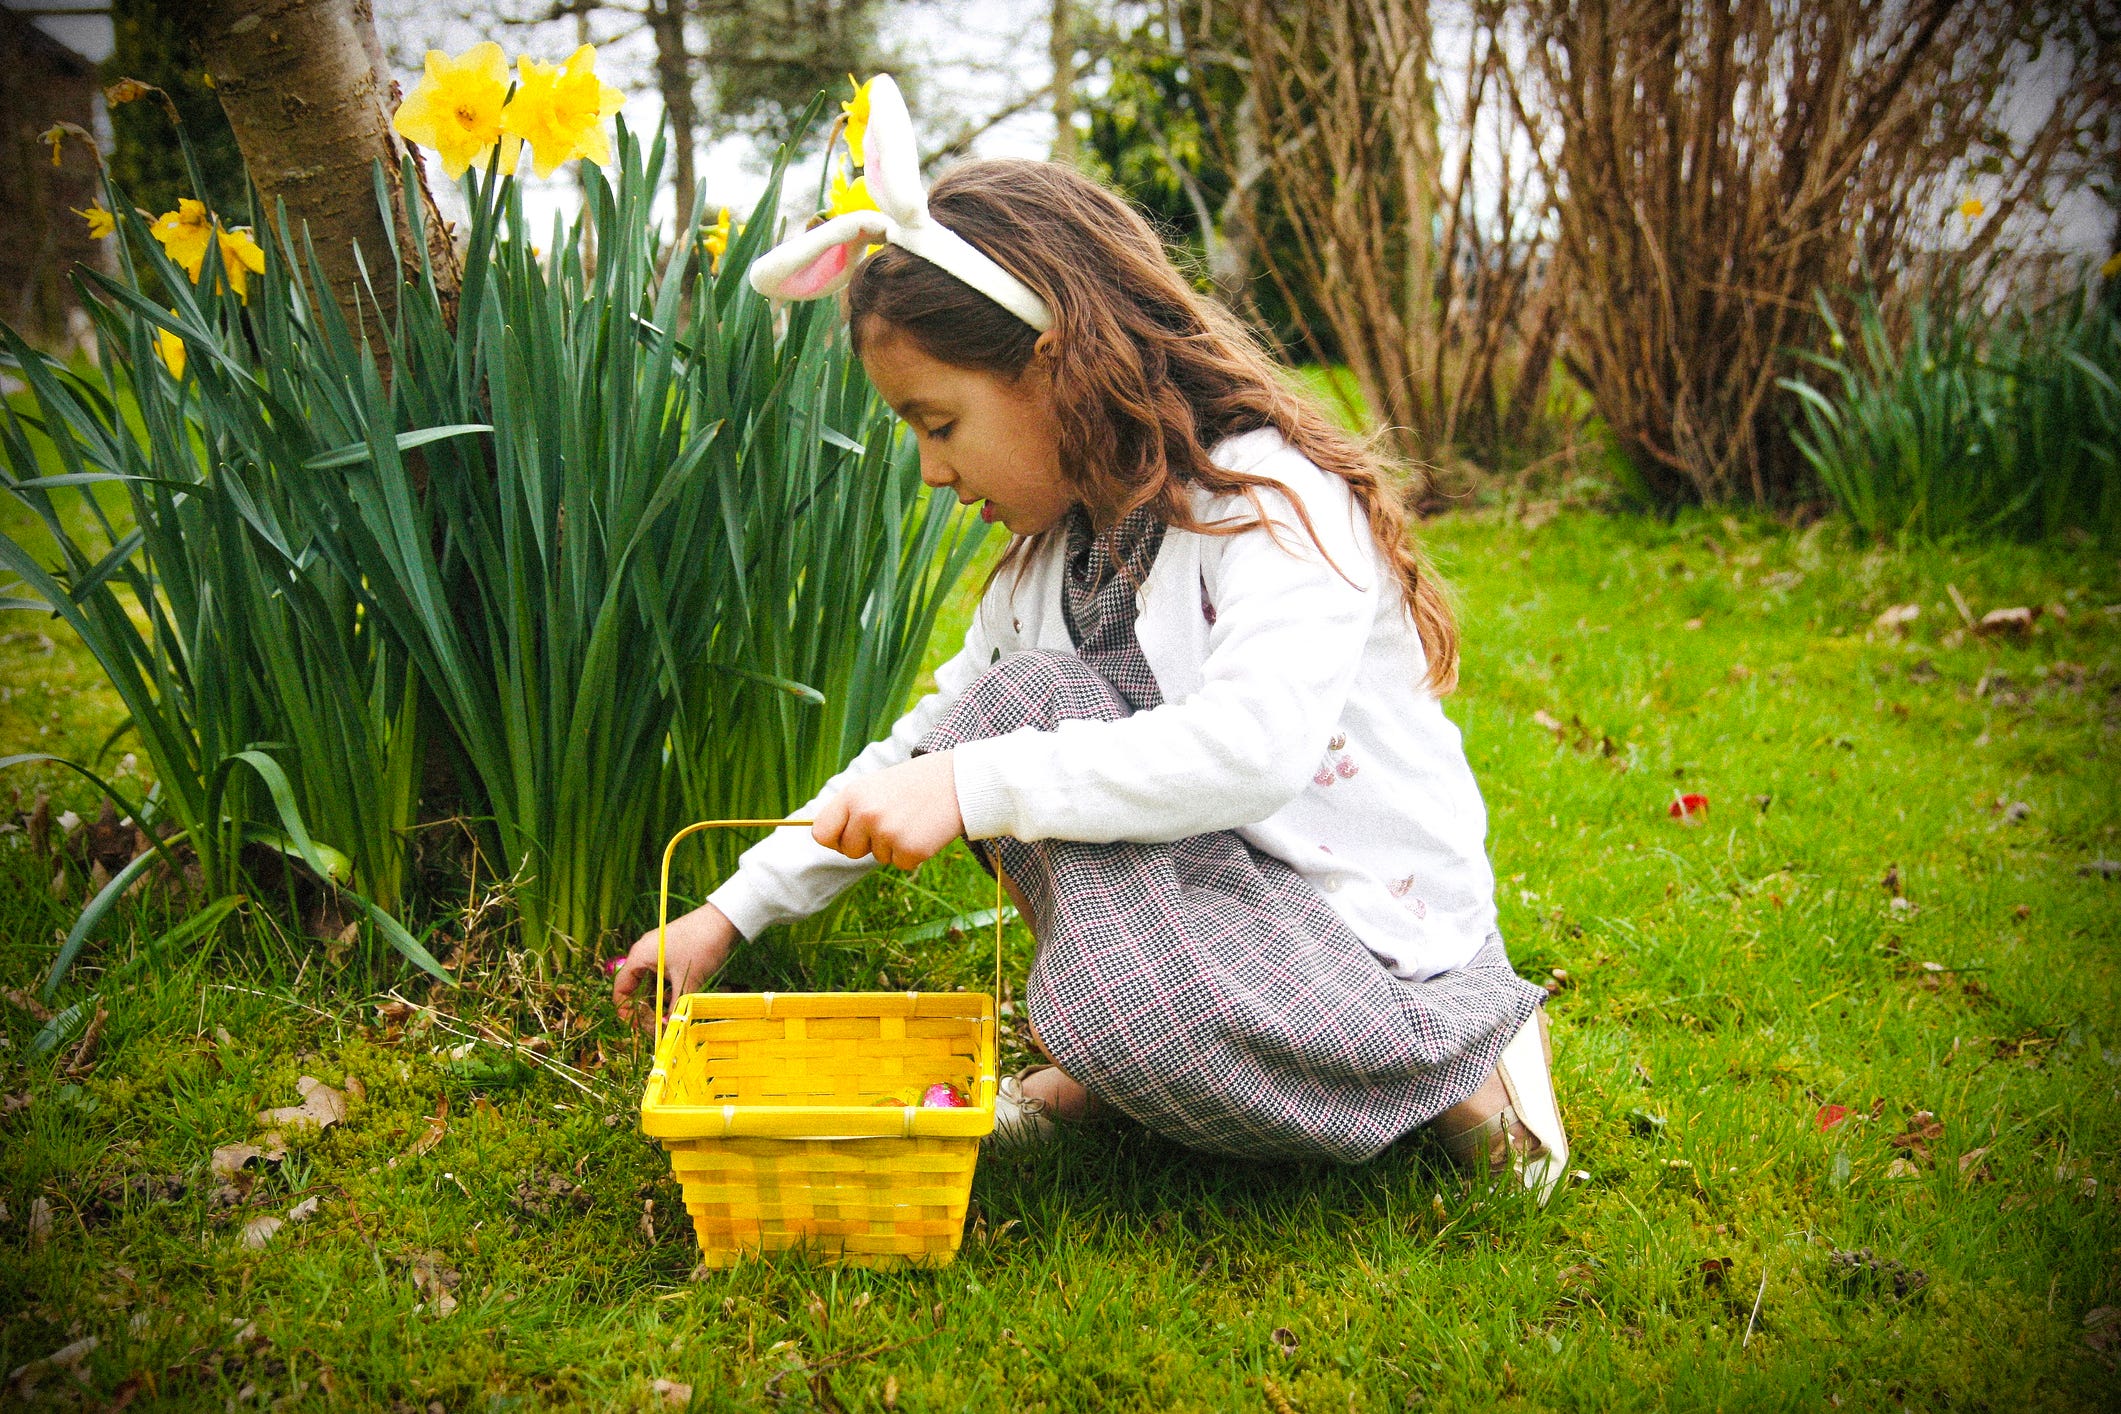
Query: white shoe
pixel 1019 1119
pixel 1525 1075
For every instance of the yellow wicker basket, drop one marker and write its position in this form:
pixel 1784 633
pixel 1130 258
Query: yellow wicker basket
pixel 776 1110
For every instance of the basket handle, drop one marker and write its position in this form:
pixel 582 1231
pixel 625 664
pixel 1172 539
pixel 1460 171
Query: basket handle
pixel 662 918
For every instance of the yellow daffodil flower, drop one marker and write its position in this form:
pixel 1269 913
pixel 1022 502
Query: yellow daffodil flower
pixel 716 242
pixel 456 109
pixel 55 135
pixel 1971 208
pixel 242 257
pixel 184 234
pixel 170 349
pixel 560 110
pixel 857 113
pixel 100 222
pixel 848 196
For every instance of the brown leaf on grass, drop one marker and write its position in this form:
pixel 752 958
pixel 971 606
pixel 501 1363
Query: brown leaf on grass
pixel 1897 618
pixel 1284 1339
pixel 231 1159
pixel 1859 1271
pixel 2102 1328
pixel 259 1230
pixel 1902 1168
pixel 9 1104
pixel 1923 1128
pixel 671 1392
pixel 1970 1165
pixel 303 1211
pixel 1713 1270
pixel 2017 622
pixel 23 1001
pixel 355 1090
pixel 321 1107
pixel 82 1059
pixel 434 1282
pixel 40 1221
pixel 436 1127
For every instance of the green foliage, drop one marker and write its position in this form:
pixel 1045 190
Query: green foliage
pixel 1971 424
pixel 632 548
pixel 1727 978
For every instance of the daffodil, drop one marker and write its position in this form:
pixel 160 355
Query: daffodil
pixel 456 109
pixel 847 196
pixel 170 349
pixel 100 222
pixel 1971 208
pixel 184 234
pixel 560 110
pixel 716 242
pixel 857 113
pixel 242 257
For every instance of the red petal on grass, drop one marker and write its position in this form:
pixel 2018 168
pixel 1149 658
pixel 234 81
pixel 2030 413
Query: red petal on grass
pixel 1831 1115
pixel 1687 805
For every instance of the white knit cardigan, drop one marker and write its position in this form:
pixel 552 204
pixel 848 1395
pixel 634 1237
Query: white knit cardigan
pixel 1293 712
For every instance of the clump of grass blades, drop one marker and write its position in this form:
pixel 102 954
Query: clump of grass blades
pixel 636 547
pixel 1969 426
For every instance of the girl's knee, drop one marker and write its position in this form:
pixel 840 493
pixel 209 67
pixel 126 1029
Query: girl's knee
pixel 1037 688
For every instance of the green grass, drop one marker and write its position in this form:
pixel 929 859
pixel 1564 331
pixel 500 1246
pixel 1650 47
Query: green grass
pixel 1725 980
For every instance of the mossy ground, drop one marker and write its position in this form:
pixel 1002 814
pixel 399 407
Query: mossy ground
pixel 1726 979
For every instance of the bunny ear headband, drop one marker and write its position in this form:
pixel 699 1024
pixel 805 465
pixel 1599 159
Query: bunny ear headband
pixel 820 261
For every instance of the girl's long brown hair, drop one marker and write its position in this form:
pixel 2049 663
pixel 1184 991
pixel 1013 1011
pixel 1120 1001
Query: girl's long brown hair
pixel 1147 374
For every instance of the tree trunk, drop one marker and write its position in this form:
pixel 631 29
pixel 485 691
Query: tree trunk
pixel 309 95
pixel 1061 48
pixel 673 77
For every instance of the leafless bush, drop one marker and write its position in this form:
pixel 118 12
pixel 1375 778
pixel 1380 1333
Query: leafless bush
pixel 1720 161
pixel 1424 261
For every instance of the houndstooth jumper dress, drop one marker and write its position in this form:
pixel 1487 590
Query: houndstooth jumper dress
pixel 1200 986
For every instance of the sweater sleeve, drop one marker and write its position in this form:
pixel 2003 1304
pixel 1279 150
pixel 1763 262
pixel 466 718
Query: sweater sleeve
pixel 788 875
pixel 1282 657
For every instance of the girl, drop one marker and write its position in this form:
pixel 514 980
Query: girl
pixel 1195 716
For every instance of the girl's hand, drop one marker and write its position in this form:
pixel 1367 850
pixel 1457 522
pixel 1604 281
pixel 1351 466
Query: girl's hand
pixel 903 815
pixel 694 950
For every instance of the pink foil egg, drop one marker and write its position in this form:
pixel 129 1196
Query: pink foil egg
pixel 944 1095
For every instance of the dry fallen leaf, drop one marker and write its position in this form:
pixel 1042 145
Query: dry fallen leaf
pixel 258 1231
pixel 304 1210
pixel 436 1127
pixel 891 1391
pixel 355 1090
pixel 1285 1338
pixel 2102 1328
pixel 321 1107
pixel 231 1159
pixel 433 1281
pixel 672 1392
pixel 40 1221
pixel 1898 617
pixel 1901 1168
pixel 1970 1162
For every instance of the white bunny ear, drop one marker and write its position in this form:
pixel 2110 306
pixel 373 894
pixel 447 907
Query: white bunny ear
pixel 893 169
pixel 818 262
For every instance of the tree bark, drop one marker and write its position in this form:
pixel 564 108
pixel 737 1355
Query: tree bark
pixel 1060 47
pixel 309 95
pixel 673 77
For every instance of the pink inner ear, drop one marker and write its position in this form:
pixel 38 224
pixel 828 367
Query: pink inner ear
pixel 811 280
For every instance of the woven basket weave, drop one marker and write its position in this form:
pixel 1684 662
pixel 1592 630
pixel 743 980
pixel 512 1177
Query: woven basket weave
pixel 777 1111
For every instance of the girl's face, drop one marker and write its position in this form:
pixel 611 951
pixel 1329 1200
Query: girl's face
pixel 983 437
